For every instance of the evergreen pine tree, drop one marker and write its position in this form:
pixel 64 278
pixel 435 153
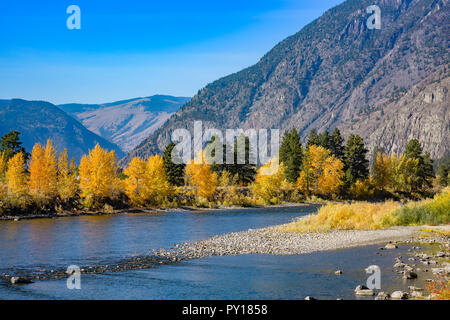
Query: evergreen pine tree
pixel 443 173
pixel 325 140
pixel 174 171
pixel 425 172
pixel 313 138
pixel 291 155
pixel 10 145
pixel 337 145
pixel 356 164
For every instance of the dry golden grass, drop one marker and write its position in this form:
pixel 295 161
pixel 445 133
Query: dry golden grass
pixel 357 215
pixel 366 216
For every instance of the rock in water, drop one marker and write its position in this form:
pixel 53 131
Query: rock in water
pixel 362 290
pixel 382 296
pixel 399 295
pixel 20 280
pixel 390 246
pixel 409 275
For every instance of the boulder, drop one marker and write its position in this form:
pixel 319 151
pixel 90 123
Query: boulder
pixel 409 275
pixel 362 290
pixel 416 294
pixel 338 272
pixel 390 246
pixel 20 280
pixel 399 295
pixel 382 296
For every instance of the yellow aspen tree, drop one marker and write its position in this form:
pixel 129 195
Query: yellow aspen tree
pixel 98 175
pixel 51 169
pixel 156 184
pixel 134 183
pixel 36 168
pixel 16 177
pixel 67 179
pixel 404 172
pixel 200 176
pixel 147 182
pixel 3 168
pixel 312 169
pixel 321 172
pixel 332 177
pixel 3 165
pixel 382 172
pixel 225 179
pixel 268 187
pixel 43 171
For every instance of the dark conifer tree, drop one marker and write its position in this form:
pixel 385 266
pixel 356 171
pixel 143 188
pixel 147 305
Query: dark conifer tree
pixel 313 138
pixel 355 161
pixel 291 155
pixel 10 145
pixel 174 169
pixel 337 145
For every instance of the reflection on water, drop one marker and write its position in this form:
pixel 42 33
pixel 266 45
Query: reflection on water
pixel 98 239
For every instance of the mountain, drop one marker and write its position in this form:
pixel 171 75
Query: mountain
pixel 38 121
pixel 126 123
pixel 387 85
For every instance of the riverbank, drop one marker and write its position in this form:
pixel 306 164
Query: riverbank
pixel 54 215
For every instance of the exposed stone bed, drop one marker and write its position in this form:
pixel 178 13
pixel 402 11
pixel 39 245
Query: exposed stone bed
pixel 271 241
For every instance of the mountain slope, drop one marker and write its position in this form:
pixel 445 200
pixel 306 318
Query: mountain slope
pixel 335 72
pixel 127 122
pixel 38 121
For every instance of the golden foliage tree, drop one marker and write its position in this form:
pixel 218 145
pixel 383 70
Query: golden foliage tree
pixel 332 177
pixel 200 176
pixel 3 168
pixel 404 173
pixel 43 171
pixel 382 172
pixel 98 176
pixel 3 165
pixel 67 179
pixel 267 187
pixel 16 177
pixel 146 182
pixel 321 172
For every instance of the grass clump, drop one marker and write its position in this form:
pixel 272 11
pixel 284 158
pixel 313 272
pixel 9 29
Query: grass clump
pixel 367 216
pixel 427 212
pixel 357 215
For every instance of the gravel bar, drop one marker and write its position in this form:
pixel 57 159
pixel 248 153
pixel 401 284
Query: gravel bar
pixel 272 241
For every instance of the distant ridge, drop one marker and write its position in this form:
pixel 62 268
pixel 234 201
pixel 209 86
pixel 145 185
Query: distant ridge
pixel 126 122
pixel 38 121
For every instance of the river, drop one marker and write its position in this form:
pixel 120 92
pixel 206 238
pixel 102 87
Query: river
pixel 99 240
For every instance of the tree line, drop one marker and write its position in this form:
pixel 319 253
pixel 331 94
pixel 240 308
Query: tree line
pixel 326 167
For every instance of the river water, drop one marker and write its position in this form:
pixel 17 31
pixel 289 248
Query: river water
pixel 99 240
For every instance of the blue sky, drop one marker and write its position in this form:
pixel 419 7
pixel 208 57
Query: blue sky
pixel 133 48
